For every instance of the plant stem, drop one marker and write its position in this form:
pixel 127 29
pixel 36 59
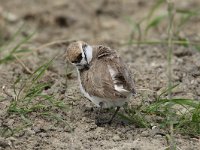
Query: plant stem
pixel 171 14
pixel 170 44
pixel 161 42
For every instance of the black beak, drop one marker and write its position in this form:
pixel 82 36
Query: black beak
pixel 87 66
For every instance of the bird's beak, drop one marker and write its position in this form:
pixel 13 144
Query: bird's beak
pixel 87 66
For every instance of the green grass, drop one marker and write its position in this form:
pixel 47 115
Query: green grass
pixel 185 112
pixel 9 54
pixel 29 96
pixel 176 115
pixel 154 19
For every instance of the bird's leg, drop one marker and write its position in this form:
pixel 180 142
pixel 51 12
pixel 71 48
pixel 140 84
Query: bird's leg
pixel 113 116
pixel 100 122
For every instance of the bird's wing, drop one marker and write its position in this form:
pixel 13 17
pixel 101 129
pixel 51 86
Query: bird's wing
pixel 108 76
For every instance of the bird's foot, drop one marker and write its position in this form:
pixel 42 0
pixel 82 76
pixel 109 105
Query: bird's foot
pixel 101 122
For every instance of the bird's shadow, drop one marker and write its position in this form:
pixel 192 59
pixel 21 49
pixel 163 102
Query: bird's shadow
pixel 104 115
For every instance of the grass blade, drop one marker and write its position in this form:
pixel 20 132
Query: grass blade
pixel 154 8
pixel 12 38
pixel 154 22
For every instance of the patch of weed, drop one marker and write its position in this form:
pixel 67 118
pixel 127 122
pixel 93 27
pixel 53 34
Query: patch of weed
pixel 177 114
pixel 30 97
pixel 16 50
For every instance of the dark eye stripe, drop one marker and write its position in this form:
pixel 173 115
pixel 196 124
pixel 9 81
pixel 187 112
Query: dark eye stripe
pixel 84 51
pixel 84 46
pixel 78 59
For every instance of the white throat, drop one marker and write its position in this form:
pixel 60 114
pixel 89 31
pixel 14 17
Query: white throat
pixel 89 53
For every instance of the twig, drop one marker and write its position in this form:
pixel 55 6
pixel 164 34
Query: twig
pixel 154 42
pixel 66 42
pixel 6 92
pixel 146 90
pixel 23 65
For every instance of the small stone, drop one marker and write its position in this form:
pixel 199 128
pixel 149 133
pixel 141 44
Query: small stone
pixel 116 138
pixel 193 81
pixel 10 17
pixel 29 132
pixel 42 134
pixel 12 139
pixel 145 133
pixel 4 143
pixel 36 129
pixel 10 122
pixel 154 127
pixel 158 136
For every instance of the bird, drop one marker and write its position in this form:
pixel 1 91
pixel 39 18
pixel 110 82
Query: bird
pixel 103 76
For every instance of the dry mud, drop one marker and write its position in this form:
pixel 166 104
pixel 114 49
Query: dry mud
pixel 96 22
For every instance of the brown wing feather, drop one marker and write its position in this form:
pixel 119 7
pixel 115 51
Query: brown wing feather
pixel 124 76
pixel 103 51
pixel 101 82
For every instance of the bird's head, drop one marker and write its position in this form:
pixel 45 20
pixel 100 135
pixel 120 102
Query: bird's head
pixel 79 54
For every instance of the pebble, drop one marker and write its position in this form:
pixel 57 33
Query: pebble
pixel 116 138
pixel 87 120
pixel 10 122
pixel 158 136
pixel 12 139
pixel 29 132
pixel 4 143
pixel 145 134
pixel 42 134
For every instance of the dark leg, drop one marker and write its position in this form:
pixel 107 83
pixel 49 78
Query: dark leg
pixel 100 122
pixel 113 116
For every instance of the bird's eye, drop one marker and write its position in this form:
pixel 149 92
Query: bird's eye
pixel 78 59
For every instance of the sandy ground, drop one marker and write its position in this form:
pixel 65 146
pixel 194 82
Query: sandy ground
pixel 96 22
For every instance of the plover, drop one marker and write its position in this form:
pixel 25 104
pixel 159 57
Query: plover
pixel 103 76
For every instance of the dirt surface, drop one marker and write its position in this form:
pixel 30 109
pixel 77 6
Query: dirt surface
pixel 96 22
